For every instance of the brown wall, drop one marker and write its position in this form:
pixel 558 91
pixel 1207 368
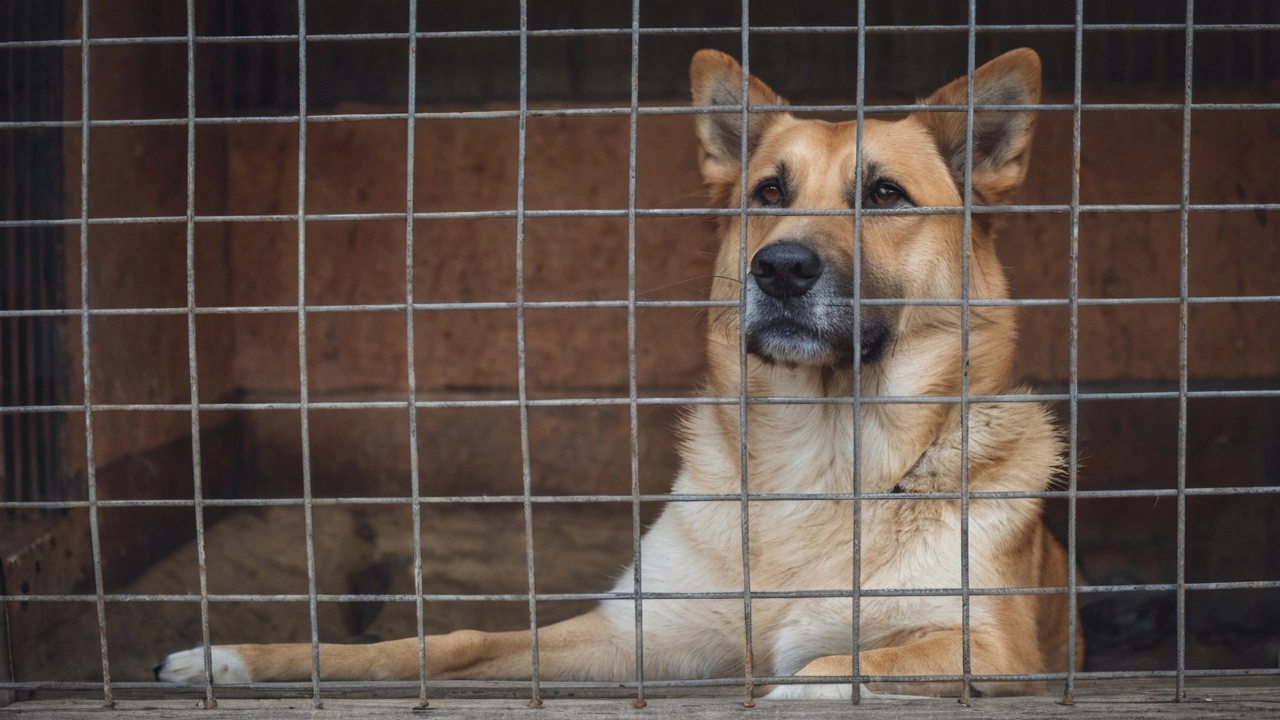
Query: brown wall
pixel 359 167
pixel 141 172
pixel 582 163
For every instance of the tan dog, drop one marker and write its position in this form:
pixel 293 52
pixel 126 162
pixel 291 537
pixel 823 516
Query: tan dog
pixel 800 336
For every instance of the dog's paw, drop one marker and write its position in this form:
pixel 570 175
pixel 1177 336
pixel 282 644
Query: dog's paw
pixel 832 691
pixel 835 691
pixel 187 666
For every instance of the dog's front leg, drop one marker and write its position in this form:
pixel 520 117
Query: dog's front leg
pixel 938 653
pixel 579 648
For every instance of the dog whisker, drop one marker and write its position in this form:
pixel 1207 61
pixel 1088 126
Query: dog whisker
pixel 686 281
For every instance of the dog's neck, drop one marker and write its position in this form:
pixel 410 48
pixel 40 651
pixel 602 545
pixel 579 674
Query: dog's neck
pixel 809 447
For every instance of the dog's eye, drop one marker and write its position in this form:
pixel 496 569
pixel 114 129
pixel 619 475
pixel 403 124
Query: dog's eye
pixel 770 193
pixel 885 195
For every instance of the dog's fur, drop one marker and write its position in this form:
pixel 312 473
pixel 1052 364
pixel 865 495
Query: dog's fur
pixel 802 346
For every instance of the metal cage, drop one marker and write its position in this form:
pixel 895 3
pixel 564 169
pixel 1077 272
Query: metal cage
pixel 77 229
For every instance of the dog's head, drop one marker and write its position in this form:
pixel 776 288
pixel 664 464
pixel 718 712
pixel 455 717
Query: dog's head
pixel 800 284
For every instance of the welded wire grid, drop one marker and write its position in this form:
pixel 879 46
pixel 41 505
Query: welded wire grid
pixel 856 455
pixel 522 375
pixel 1073 360
pixel 744 453
pixel 304 411
pixel 192 367
pixel 415 479
pixel 965 252
pixel 633 401
pixel 633 418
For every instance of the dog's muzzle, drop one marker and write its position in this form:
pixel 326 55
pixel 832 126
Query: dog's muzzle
pixel 800 311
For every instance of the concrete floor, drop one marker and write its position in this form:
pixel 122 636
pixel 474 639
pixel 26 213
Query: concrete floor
pixel 467 549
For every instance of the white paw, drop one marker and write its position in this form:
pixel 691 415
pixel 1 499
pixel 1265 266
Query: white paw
pixel 187 666
pixel 834 691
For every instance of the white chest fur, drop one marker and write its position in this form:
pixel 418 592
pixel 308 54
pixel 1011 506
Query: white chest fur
pixel 797 547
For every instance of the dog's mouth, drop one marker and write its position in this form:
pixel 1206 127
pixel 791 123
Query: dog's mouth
pixel 794 341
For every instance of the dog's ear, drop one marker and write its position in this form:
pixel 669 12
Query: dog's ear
pixel 717 80
pixel 1001 140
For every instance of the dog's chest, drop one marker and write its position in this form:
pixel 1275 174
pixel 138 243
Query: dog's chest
pixel 902 548
pixel 805 545
pixel 802 545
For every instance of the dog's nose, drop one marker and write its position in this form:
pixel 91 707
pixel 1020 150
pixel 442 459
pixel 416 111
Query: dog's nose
pixel 786 269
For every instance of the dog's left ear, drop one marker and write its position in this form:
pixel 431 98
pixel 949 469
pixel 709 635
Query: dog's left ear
pixel 717 80
pixel 1001 139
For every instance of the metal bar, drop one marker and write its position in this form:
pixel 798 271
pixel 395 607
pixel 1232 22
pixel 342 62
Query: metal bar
pixel 647 498
pixel 966 252
pixel 646 110
pixel 692 400
pixel 1073 372
pixel 1096 675
pixel 655 212
pixel 611 111
pixel 624 111
pixel 1181 690
pixel 720 595
pixel 415 476
pixel 352 687
pixel 632 388
pixel 304 394
pixel 522 374
pixel 860 93
pixel 607 31
pixel 622 304
pixel 193 374
pixel 91 469
pixel 744 455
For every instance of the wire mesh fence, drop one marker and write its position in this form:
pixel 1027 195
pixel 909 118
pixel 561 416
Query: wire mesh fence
pixel 413 403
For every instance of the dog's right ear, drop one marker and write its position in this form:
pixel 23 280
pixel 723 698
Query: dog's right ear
pixel 717 81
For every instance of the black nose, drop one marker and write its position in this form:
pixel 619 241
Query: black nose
pixel 786 269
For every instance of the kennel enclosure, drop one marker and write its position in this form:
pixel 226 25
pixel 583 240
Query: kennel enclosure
pixel 270 262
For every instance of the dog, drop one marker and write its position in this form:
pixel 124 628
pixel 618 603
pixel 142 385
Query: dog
pixel 800 325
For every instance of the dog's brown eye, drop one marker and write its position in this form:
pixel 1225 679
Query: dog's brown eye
pixel 770 193
pixel 885 195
